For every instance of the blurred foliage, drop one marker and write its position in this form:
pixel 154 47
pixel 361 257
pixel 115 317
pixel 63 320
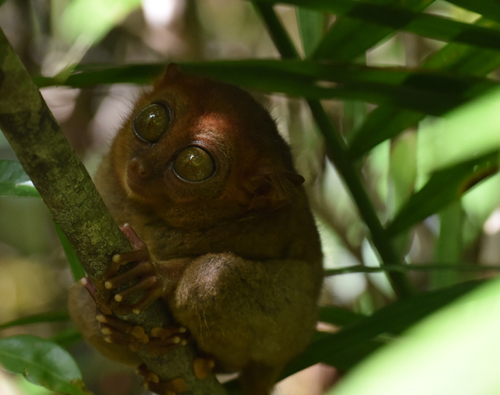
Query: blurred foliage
pixel 391 110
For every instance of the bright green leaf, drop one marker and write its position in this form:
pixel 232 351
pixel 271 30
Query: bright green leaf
pixel 360 337
pixel 488 8
pixel 454 351
pixel 386 122
pixel 88 21
pixel 444 186
pixel 42 362
pixel 14 181
pixel 425 25
pixel 350 38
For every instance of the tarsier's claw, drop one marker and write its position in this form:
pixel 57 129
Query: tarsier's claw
pixel 152 383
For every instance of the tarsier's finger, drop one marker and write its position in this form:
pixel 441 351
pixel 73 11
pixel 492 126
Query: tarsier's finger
pixel 140 270
pixel 119 260
pixel 135 331
pixel 147 299
pixel 164 333
pixel 132 236
pixel 144 285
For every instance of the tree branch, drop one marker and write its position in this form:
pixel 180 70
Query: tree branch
pixel 75 204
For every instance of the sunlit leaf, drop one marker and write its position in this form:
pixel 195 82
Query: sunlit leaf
pixel 488 8
pixel 361 335
pixel 14 181
pixel 350 38
pixel 42 362
pixel 386 122
pixel 444 186
pixel 425 25
pixel 455 351
pixel 90 20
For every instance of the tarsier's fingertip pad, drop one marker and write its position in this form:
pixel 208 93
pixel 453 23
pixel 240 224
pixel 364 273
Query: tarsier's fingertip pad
pixel 108 285
pixel 135 311
pixel 202 367
pixel 178 385
pixel 116 258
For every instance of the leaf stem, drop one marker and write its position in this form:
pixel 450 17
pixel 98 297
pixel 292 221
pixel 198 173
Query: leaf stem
pixel 337 153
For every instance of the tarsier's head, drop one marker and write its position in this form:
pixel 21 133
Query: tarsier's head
pixel 197 145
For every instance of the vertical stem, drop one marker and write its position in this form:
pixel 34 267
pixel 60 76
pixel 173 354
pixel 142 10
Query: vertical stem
pixel 337 153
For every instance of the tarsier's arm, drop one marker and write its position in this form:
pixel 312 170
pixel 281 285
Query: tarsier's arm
pixel 200 172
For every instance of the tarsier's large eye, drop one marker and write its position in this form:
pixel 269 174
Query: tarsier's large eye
pixel 151 123
pixel 194 164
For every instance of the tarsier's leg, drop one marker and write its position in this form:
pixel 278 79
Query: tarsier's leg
pixel 250 315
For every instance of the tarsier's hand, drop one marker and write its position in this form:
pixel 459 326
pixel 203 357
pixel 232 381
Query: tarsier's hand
pixel 148 285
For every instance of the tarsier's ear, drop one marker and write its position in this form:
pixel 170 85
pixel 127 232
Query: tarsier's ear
pixel 272 188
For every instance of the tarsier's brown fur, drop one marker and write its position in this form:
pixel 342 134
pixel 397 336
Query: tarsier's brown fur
pixel 238 254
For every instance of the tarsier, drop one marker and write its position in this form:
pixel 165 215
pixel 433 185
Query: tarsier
pixel 201 174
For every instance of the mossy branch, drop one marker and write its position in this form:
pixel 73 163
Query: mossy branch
pixel 75 204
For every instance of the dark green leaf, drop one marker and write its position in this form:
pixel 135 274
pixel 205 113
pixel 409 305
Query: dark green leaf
pixel 429 92
pixel 14 181
pixel 350 38
pixel 42 362
pixel 386 122
pixel 426 25
pixel 443 187
pixel 337 316
pixel 360 337
pixel 67 338
pixel 74 263
pixel 55 316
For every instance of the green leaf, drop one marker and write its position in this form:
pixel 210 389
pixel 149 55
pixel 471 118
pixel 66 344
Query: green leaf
pixel 425 25
pixel 350 38
pixel 67 337
pixel 454 352
pixel 444 186
pixel 488 8
pixel 74 263
pixel 337 316
pixel 311 25
pixel 386 122
pixel 88 21
pixel 14 181
pixel 430 92
pixel 360 337
pixel 55 316
pixel 42 362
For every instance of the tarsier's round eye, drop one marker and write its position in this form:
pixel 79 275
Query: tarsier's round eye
pixel 151 122
pixel 194 164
